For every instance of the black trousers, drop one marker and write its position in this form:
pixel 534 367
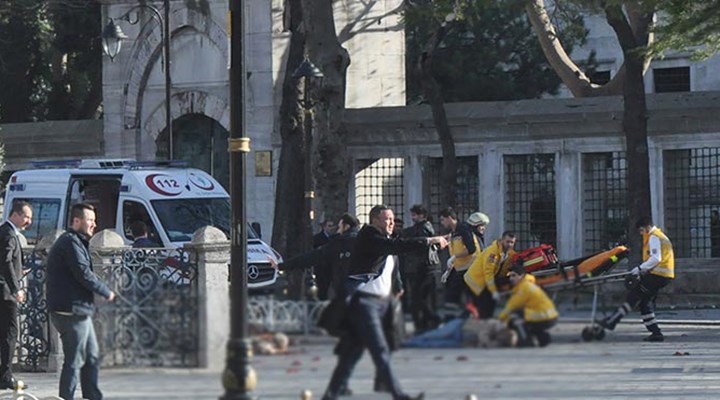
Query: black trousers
pixel 643 297
pixel 527 331
pixel 485 304
pixel 8 336
pixel 422 292
pixel 366 332
pixel 456 291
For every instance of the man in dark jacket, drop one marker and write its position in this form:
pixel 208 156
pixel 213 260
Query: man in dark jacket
pixel 372 268
pixel 11 262
pixel 335 253
pixel 71 285
pixel 422 272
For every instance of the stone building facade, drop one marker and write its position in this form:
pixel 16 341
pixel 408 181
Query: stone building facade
pixel 134 89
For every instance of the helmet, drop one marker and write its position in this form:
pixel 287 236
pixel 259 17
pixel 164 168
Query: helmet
pixel 478 218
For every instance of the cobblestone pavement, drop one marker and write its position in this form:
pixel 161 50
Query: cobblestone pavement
pixel 621 366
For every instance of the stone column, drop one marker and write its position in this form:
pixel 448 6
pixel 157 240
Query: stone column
pixel 491 190
pixel 568 197
pixel 213 258
pixel 413 184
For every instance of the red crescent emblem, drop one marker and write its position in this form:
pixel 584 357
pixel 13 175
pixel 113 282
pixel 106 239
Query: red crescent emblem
pixel 166 186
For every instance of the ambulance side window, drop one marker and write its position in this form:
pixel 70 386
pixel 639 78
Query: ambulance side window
pixel 136 211
pixel 102 193
pixel 45 218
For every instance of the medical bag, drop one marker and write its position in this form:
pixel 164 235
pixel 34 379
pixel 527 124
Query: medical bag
pixel 536 258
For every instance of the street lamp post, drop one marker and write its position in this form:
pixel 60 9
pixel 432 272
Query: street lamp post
pixel 308 71
pixel 238 378
pixel 113 36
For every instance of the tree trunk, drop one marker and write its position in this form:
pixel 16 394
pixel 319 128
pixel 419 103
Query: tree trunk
pixel 569 72
pixel 633 39
pixel 433 94
pixel 288 229
pixel 331 163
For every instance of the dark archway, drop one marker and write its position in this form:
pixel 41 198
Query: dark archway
pixel 202 142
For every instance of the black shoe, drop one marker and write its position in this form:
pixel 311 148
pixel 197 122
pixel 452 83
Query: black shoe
pixel 655 337
pixel 12 384
pixel 345 392
pixel 380 387
pixel 606 324
pixel 420 396
pixel 544 339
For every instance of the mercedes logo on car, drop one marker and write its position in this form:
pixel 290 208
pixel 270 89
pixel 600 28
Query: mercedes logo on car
pixel 253 272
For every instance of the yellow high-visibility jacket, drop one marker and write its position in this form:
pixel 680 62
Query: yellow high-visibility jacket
pixel 666 267
pixel 457 246
pixel 486 267
pixel 532 300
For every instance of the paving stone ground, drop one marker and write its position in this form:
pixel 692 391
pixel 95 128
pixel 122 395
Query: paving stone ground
pixel 621 366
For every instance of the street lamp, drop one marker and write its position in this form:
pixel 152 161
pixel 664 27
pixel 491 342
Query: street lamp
pixel 309 72
pixel 113 36
pixel 238 378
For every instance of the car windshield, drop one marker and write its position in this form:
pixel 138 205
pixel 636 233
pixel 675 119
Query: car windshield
pixel 180 218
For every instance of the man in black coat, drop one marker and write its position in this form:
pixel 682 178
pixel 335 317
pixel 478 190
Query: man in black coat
pixel 422 272
pixel 372 268
pixel 11 262
pixel 71 287
pixel 335 254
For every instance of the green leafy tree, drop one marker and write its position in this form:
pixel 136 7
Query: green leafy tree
pixel 687 25
pixel 487 52
pixel 50 60
pixel 24 34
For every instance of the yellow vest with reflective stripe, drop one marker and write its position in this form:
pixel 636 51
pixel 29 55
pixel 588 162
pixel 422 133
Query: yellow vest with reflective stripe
pixel 666 267
pixel 532 300
pixel 488 265
pixel 457 246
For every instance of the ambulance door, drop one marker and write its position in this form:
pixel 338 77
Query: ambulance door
pixel 102 192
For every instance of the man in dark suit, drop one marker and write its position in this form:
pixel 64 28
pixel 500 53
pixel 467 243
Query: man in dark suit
pixel 11 262
pixel 371 274
pixel 141 240
pixel 321 238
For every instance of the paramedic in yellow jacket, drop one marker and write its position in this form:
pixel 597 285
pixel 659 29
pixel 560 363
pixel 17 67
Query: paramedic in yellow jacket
pixel 656 272
pixel 481 277
pixel 529 311
pixel 464 248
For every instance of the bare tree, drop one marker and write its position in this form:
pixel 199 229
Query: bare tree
pixel 631 22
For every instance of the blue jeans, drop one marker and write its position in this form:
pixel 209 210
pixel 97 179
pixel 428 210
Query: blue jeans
pixel 82 356
pixel 366 332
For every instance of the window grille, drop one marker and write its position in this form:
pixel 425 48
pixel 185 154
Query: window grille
pixel 672 79
pixel 466 197
pixel 530 199
pixel 605 213
pixel 379 181
pixel 692 193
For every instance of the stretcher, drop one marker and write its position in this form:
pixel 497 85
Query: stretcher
pixel 590 272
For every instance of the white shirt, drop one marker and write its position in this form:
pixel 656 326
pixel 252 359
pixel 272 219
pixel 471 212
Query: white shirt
pixel 17 231
pixel 382 285
pixel 655 252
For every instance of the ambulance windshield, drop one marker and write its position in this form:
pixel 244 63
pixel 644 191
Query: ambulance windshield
pixel 180 218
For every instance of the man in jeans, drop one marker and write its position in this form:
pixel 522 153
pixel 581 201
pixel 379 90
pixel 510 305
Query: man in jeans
pixel 71 285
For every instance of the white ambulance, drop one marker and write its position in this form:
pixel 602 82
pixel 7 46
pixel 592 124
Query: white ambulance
pixel 172 200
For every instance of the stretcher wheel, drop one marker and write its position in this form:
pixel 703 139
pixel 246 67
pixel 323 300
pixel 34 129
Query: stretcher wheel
pixel 587 334
pixel 598 332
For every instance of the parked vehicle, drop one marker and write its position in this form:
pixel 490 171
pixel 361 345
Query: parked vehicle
pixel 172 200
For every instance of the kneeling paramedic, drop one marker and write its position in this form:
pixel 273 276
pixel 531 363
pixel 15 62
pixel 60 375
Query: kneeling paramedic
pixel 481 277
pixel 529 311
pixel 656 272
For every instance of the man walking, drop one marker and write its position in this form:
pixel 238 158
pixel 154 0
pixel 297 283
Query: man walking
pixel 11 262
pixel 71 285
pixel 371 275
pixel 656 272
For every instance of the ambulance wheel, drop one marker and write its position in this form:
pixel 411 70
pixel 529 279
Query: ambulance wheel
pixel 598 332
pixel 587 334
